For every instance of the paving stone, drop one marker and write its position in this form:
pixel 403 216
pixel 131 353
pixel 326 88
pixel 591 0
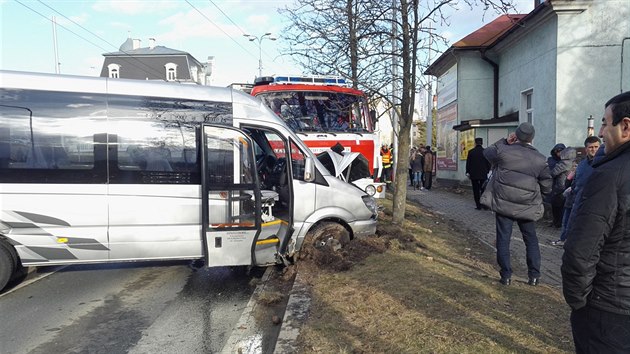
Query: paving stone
pixel 458 205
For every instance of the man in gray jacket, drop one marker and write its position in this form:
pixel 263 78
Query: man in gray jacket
pixel 520 178
pixel 596 261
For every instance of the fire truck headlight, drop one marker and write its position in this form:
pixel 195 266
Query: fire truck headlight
pixel 370 190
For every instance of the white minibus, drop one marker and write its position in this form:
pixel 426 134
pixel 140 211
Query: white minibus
pixel 113 170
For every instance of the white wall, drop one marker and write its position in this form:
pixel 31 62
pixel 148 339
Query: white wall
pixel 571 58
pixel 589 65
pixel 475 87
pixel 529 62
pixel 572 61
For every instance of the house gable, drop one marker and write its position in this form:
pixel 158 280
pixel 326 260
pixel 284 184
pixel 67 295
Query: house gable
pixel 153 63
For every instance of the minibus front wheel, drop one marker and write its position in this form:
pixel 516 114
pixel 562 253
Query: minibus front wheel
pixel 327 236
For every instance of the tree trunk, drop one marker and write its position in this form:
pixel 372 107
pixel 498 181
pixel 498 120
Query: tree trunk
pixel 404 120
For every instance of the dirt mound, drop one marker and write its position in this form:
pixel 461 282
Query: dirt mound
pixel 355 252
pixel 325 258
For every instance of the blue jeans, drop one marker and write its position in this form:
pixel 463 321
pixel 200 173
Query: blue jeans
pixel 565 223
pixel 416 178
pixel 504 233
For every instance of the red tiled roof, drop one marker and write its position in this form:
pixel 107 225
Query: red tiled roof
pixel 488 34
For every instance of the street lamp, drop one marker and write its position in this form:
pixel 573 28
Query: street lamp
pixel 259 39
pixel 590 127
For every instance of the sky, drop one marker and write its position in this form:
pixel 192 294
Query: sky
pixel 86 29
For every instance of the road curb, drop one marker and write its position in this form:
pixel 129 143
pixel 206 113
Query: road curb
pixel 295 315
pixel 242 339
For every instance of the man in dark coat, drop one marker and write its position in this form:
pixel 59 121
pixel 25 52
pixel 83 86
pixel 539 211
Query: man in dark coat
pixel 429 161
pixel 520 178
pixel 477 168
pixel 559 174
pixel 596 261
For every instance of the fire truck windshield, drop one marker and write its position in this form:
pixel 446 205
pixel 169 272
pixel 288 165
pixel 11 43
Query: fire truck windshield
pixel 317 111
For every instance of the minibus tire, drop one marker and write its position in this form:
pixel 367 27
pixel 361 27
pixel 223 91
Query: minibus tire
pixel 12 252
pixel 6 266
pixel 330 236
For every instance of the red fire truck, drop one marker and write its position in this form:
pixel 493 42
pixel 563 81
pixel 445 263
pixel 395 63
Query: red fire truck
pixel 325 112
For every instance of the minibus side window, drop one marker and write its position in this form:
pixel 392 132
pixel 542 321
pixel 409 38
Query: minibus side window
pixel 155 146
pixel 221 158
pixel 155 139
pixel 230 178
pixel 46 136
pixel 297 162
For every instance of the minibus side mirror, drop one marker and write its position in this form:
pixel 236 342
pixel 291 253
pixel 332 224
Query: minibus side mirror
pixel 309 170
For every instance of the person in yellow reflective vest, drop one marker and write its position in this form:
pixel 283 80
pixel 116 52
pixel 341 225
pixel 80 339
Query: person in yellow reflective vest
pixel 387 159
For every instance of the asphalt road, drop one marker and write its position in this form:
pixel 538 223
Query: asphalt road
pixel 166 307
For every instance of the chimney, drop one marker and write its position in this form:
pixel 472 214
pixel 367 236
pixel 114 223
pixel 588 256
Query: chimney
pixel 151 43
pixel 136 43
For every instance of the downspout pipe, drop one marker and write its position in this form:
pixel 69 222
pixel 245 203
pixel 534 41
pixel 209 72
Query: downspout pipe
pixel 495 70
pixel 623 42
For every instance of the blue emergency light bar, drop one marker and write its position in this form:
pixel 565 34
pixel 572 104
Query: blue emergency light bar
pixel 311 80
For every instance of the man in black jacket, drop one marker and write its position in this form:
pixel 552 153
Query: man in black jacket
pixel 596 261
pixel 477 168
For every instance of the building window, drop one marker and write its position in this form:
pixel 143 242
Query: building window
pixel 171 71
pixel 527 108
pixel 114 71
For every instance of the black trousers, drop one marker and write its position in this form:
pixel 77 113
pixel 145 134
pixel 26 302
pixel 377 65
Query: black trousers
pixel 427 180
pixel 557 209
pixel 387 174
pixel 597 331
pixel 477 187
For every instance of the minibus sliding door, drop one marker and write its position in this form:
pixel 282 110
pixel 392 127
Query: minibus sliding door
pixel 231 204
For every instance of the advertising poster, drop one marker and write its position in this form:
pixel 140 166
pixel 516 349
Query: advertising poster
pixel 447 138
pixel 466 143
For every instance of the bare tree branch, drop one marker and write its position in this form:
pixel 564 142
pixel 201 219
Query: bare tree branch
pixel 368 41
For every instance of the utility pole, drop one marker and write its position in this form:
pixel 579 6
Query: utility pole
pixel 394 87
pixel 430 100
pixel 57 63
pixel 259 39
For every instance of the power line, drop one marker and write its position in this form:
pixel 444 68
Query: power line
pixel 234 23
pixel 228 17
pixel 150 69
pixel 242 31
pixel 221 29
pixel 85 39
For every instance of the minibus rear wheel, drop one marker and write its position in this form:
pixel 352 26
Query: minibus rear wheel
pixel 12 252
pixel 7 266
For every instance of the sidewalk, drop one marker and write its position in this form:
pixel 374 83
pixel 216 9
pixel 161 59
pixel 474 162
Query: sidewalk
pixel 460 208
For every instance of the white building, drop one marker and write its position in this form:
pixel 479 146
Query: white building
pixel 155 62
pixel 553 67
